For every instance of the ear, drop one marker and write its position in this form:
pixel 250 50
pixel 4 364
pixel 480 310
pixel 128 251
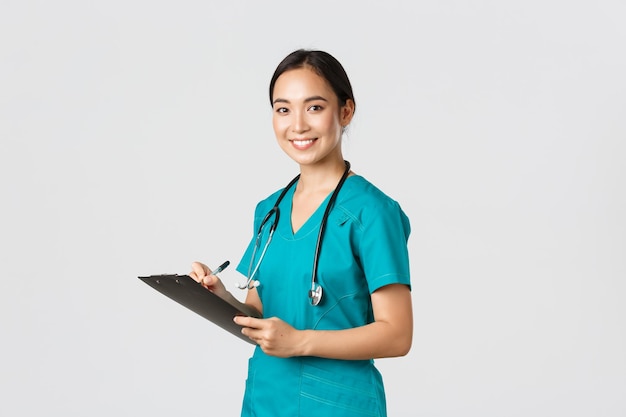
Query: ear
pixel 346 113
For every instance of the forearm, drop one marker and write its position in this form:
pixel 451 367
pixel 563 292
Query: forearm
pixel 390 335
pixel 375 340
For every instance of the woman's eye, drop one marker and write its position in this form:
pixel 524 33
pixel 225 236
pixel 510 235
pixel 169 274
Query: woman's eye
pixel 281 110
pixel 316 107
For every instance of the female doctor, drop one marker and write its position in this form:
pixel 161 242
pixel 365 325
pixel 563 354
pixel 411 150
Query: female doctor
pixel 327 265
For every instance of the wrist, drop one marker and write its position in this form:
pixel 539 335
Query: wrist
pixel 306 342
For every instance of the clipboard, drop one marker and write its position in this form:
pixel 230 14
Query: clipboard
pixel 187 292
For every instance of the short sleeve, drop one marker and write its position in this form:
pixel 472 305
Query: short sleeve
pixel 383 248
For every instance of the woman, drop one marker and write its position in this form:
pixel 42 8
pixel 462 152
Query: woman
pixel 333 285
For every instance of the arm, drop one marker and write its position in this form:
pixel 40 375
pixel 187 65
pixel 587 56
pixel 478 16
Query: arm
pixel 390 334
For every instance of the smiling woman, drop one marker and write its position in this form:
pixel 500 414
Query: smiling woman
pixel 308 115
pixel 342 243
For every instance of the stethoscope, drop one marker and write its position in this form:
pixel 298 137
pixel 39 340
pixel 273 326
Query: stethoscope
pixel 315 293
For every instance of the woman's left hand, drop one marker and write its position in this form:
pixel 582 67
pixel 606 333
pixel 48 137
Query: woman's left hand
pixel 273 335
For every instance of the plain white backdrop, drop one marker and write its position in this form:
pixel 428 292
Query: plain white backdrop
pixel 135 138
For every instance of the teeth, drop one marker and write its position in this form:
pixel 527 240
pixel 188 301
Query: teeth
pixel 303 142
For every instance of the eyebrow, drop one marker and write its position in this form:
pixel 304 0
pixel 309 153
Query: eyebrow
pixel 306 100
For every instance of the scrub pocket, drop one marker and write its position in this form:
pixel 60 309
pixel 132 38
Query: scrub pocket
pixel 325 393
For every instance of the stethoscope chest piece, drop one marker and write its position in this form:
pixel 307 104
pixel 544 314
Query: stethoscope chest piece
pixel 315 295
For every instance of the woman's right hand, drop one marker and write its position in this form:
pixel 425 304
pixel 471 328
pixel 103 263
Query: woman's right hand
pixel 203 275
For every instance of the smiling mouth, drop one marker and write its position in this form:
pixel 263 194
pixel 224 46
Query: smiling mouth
pixel 302 142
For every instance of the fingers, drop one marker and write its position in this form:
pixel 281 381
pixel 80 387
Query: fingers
pixel 273 335
pixel 200 269
pixel 250 322
pixel 241 320
pixel 248 327
pixel 200 273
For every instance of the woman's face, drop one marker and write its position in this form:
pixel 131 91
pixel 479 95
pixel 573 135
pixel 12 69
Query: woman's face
pixel 307 119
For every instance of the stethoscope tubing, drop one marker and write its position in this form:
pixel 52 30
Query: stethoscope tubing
pixel 315 293
pixel 320 236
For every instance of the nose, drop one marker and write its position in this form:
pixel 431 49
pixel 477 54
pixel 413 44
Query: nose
pixel 300 123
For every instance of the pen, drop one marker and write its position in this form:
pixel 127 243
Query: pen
pixel 220 268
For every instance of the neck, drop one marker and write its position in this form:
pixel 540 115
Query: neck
pixel 320 178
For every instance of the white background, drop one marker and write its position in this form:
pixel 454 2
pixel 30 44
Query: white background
pixel 135 138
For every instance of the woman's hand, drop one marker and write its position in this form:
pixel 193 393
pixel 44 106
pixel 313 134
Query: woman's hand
pixel 273 335
pixel 202 273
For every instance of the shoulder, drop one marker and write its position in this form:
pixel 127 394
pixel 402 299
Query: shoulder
pixel 281 196
pixel 268 202
pixel 360 193
pixel 367 203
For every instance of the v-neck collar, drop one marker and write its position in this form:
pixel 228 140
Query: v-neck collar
pixel 311 224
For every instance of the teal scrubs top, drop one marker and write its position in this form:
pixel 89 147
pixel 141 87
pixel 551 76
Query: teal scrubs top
pixel 364 248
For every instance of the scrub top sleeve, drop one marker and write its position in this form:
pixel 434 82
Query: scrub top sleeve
pixel 383 250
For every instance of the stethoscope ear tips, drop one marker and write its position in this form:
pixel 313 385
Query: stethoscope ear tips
pixel 249 285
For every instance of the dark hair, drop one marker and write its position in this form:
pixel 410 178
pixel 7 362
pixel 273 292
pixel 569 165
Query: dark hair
pixel 324 65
